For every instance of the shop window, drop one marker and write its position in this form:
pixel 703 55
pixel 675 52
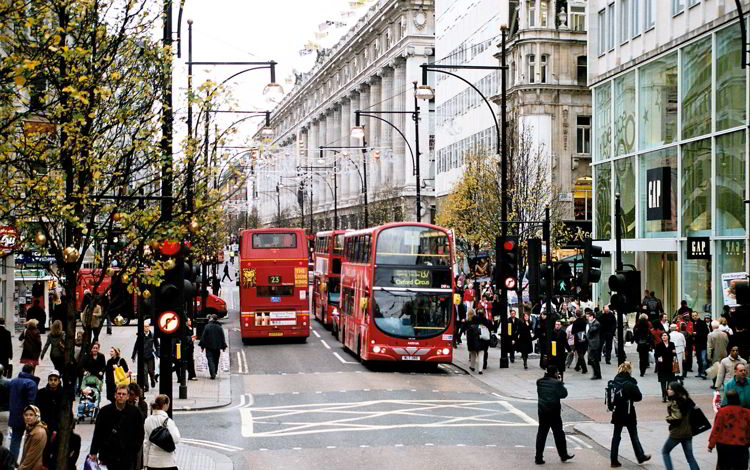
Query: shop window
pixel 582 70
pixel 625 185
pixel 730 256
pixel 696 187
pixel 730 184
pixel 583 134
pixel 624 94
pixel 730 79
pixel 657 113
pixel 603 218
pixel 696 89
pixel 658 192
pixel 582 198
pixel 696 282
pixel 603 125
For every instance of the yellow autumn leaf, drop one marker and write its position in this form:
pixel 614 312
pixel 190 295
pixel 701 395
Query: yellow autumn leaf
pixel 20 80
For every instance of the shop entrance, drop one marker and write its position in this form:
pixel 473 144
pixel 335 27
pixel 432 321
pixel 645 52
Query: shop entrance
pixel 661 277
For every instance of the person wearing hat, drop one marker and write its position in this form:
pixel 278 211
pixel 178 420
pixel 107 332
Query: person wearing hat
pixel 49 400
pixel 36 439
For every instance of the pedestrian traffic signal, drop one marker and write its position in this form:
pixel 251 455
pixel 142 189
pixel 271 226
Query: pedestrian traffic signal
pixel 626 286
pixel 534 255
pixel 563 284
pixel 591 268
pixel 506 252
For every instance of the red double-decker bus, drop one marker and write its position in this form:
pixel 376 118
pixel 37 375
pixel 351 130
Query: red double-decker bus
pixel 273 283
pixel 397 293
pixel 329 253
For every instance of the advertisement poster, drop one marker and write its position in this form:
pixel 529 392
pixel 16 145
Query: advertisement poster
pixel 726 286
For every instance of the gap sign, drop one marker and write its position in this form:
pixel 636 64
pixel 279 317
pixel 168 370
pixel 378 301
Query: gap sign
pixel 659 193
pixel 698 248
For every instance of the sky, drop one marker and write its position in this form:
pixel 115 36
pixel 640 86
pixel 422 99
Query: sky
pixel 255 30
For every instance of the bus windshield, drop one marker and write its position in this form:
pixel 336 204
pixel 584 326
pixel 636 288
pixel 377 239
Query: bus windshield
pixel 413 246
pixel 262 241
pixel 407 314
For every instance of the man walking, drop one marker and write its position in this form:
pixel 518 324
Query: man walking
pixel 49 400
pixel 623 415
pixel 558 348
pixel 550 390
pixel 595 344
pixel 700 342
pixel 150 351
pixel 579 338
pixel 118 433
pixel 740 384
pixel 212 341
pixel 609 323
pixel 226 273
pixel 512 329
pixel 717 343
pixel 22 391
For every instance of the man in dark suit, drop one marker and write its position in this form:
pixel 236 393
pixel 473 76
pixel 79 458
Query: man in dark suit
pixel 550 390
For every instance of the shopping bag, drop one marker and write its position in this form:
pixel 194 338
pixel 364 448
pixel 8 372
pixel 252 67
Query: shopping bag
pixel 716 401
pixel 121 377
pixel 675 366
pixel 698 421
pixel 713 371
pixel 91 464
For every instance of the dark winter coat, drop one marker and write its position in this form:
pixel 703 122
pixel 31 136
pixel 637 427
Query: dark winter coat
pixel 667 353
pixel 213 337
pixel 6 346
pixel 50 402
pixel 549 392
pixel 642 336
pixel 36 312
pixel 23 390
pixel 523 343
pixel 579 326
pixel 151 347
pixel 594 336
pixel 32 345
pixel 118 434
pixel 94 365
pixel 473 342
pixel 624 412
pixel 56 345
pixel 608 323
pixel 60 312
pixel 561 348
pixel 700 340
pixel 110 375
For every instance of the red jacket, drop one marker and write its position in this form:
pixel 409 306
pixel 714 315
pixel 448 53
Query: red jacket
pixel 469 295
pixel 731 427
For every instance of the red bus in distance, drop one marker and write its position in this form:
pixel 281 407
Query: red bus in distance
pixel 329 253
pixel 273 280
pixel 397 293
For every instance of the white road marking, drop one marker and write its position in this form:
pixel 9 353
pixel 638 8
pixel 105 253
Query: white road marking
pixel 343 361
pixel 528 419
pixel 519 446
pixel 460 445
pixel 364 446
pixel 239 363
pixel 399 445
pixel 262 449
pixel 325 344
pixel 296 448
pixel 330 447
pixel 316 333
pixel 246 416
pixel 429 444
pixel 580 441
pixel 244 361
pixel 211 444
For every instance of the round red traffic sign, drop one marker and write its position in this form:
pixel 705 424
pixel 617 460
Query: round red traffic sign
pixel 169 322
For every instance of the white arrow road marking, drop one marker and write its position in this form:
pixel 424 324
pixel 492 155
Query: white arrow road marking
pixel 247 422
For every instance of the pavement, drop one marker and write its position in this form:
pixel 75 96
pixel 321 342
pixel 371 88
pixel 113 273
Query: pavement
pixel 203 394
pixel 586 396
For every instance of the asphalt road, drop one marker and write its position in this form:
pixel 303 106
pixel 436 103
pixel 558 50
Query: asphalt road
pixel 312 405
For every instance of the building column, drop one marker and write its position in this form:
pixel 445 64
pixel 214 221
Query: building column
pixel 346 127
pixel 355 184
pixel 375 140
pixel 399 120
pixel 364 102
pixel 387 93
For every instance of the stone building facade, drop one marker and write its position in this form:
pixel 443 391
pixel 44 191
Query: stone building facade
pixel 371 68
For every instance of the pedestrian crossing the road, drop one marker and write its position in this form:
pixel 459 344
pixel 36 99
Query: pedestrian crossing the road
pixel 373 415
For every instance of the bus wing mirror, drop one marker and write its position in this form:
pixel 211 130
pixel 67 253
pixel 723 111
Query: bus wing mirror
pixel 456 299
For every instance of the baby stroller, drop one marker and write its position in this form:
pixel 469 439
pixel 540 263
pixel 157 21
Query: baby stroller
pixel 89 399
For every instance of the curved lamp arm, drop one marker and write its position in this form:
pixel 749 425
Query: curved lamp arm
pixel 411 152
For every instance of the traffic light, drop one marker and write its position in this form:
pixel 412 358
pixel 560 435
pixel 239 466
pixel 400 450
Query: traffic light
pixel 170 300
pixel 626 286
pixel 534 255
pixel 563 284
pixel 506 249
pixel 546 277
pixel 591 268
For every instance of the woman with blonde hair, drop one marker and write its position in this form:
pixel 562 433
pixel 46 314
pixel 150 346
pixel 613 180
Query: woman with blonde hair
pixel 155 456
pixel 56 344
pixel 35 439
pixel 32 343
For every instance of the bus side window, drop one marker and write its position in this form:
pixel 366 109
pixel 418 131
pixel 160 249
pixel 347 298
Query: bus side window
pixel 368 249
pixel 336 267
pixel 357 248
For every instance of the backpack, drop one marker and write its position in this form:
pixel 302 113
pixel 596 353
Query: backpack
pixel 652 305
pixel 613 394
pixel 484 333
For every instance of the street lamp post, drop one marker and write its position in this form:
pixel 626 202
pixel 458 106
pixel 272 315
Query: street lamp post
pixel 363 179
pixel 424 91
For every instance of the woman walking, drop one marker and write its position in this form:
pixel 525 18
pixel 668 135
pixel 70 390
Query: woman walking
pixel 524 338
pixel 643 339
pixel 115 361
pixel 56 344
pixel 32 343
pixel 154 456
pixel 679 409
pixel 665 353
pixel 473 343
pixel 35 439
pixel 731 434
pixel 623 416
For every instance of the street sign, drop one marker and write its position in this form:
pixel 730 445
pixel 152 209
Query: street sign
pixel 169 322
pixel 9 239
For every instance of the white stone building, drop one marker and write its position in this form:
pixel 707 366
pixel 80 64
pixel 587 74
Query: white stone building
pixel 371 68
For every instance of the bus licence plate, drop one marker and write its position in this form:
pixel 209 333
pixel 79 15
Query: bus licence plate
pixel 276 334
pixel 411 358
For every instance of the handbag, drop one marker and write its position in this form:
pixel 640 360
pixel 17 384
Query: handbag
pixel 121 377
pixel 162 437
pixel 675 366
pixel 698 421
pixel 90 464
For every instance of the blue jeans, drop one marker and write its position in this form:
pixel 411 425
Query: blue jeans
pixel 15 441
pixel 687 447
pixel 702 357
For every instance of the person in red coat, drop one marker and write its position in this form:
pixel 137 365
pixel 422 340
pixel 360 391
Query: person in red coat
pixel 731 434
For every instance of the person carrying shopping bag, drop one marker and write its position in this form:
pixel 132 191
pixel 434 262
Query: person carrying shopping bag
pixel 161 437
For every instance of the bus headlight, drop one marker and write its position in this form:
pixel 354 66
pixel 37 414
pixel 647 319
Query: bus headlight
pixel 446 351
pixel 378 349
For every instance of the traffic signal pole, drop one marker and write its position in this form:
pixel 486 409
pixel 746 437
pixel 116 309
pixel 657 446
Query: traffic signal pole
pixel 618 258
pixel 546 234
